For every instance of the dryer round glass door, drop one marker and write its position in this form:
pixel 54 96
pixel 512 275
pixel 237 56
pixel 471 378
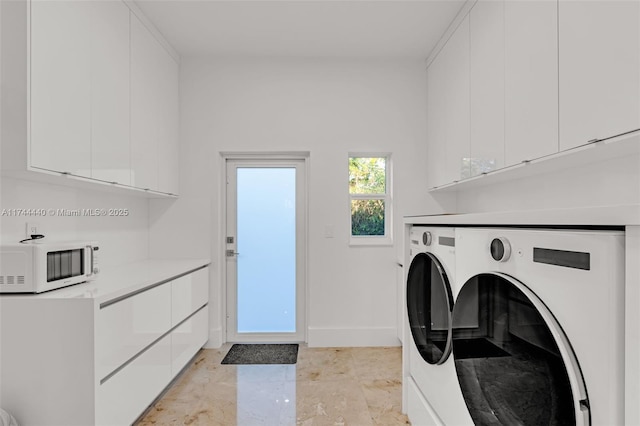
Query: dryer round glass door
pixel 429 305
pixel 514 363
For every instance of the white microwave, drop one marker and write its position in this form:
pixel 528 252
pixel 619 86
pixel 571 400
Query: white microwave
pixel 42 266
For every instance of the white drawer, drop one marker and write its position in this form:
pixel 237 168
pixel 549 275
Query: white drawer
pixel 128 326
pixel 188 294
pixel 188 338
pixel 124 396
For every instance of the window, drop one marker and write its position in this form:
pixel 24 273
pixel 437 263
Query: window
pixel 370 198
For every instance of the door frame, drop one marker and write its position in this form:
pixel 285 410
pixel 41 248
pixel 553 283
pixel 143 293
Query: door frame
pixel 222 228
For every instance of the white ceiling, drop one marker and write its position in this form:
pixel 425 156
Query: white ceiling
pixel 307 28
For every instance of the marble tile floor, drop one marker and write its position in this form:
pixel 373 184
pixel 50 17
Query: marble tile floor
pixel 328 386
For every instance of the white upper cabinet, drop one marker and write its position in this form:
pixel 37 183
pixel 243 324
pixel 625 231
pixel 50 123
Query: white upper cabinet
pixel 448 110
pixel 60 96
pixel 456 58
pixel 168 149
pixel 531 79
pixel 110 155
pixel 101 91
pixel 599 70
pixel 486 86
pixel 154 112
pixel 436 145
pixel 146 60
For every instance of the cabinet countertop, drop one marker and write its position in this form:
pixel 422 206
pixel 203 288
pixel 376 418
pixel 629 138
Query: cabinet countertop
pixel 617 215
pixel 118 281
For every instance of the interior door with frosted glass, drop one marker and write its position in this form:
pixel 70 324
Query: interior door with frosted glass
pixel 265 250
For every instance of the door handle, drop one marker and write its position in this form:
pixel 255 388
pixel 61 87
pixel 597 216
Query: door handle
pixel 231 253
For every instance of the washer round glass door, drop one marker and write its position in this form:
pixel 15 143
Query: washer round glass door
pixel 514 363
pixel 429 305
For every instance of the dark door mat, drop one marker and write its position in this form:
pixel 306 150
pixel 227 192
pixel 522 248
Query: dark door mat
pixel 262 354
pixel 476 348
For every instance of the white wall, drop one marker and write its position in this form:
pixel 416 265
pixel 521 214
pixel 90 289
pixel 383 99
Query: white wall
pixel 121 239
pixel 328 108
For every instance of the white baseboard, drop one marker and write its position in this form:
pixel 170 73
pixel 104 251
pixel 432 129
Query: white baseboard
pixel 215 338
pixel 332 337
pixel 341 337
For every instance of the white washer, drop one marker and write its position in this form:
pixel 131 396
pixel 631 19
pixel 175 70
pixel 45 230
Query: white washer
pixel 538 325
pixel 433 393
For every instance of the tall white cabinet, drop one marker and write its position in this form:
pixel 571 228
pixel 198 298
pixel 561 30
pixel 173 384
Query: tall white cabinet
pixel 101 92
pixel 599 70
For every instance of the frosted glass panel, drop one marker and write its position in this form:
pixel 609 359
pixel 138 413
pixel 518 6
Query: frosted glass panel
pixel 266 233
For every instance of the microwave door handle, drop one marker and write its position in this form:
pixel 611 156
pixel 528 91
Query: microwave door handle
pixel 91 264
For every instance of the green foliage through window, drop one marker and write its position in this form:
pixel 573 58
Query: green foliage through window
pixel 368 191
pixel 367 175
pixel 367 217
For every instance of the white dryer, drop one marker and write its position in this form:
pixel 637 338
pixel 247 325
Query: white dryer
pixel 433 393
pixel 537 326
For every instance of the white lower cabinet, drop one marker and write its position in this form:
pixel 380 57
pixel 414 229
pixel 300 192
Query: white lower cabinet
pixel 125 395
pixel 188 338
pixel 140 349
pixel 188 294
pixel 75 360
pixel 122 397
pixel 125 328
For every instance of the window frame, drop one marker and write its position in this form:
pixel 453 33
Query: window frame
pixel 373 240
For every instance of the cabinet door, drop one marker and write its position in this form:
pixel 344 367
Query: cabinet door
pixel 188 294
pixel 126 327
pixel 531 79
pixel 448 110
pixel 486 86
pixel 60 90
pixel 146 113
pixel 599 70
pixel 188 338
pixel 110 155
pixel 456 119
pixel 168 149
pixel 122 398
pixel 436 142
